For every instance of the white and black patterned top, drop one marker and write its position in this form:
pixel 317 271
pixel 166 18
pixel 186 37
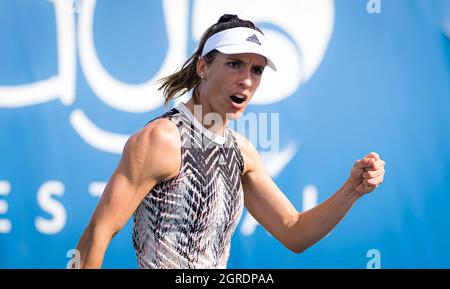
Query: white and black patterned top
pixel 188 221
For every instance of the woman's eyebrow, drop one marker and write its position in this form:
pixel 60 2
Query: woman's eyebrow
pixel 258 66
pixel 237 60
pixel 240 61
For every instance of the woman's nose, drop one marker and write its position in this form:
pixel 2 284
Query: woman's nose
pixel 245 80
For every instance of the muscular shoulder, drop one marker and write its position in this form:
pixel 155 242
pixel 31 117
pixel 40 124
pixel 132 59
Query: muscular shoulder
pixel 153 152
pixel 158 134
pixel 252 159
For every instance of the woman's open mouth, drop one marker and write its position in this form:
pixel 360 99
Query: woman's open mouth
pixel 238 98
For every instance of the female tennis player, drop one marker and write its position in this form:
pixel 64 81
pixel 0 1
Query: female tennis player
pixel 186 180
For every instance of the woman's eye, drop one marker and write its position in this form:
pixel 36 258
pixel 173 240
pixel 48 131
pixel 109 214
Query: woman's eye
pixel 258 71
pixel 233 64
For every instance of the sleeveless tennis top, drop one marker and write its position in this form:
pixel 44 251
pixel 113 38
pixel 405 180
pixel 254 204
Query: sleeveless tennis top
pixel 188 221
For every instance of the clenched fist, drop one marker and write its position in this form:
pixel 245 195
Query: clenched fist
pixel 367 174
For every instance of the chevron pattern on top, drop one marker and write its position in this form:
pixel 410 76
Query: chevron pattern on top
pixel 188 221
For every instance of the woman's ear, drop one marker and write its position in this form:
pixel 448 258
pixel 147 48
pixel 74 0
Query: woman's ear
pixel 201 68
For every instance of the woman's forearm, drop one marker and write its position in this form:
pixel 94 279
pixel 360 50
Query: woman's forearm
pixel 92 247
pixel 314 224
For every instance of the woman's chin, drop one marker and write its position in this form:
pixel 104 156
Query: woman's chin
pixel 234 115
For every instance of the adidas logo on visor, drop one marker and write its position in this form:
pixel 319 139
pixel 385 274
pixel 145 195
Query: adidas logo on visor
pixel 254 39
pixel 235 40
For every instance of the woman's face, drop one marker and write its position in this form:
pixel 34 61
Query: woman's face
pixel 231 81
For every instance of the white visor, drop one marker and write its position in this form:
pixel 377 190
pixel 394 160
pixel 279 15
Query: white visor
pixel 239 40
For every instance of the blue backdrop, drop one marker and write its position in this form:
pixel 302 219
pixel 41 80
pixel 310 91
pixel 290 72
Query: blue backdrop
pixel 77 78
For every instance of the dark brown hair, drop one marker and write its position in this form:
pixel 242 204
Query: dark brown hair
pixel 186 78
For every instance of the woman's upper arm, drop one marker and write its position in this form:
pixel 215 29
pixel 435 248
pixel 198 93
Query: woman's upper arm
pixel 262 197
pixel 149 156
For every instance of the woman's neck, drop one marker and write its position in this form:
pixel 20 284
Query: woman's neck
pixel 211 120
